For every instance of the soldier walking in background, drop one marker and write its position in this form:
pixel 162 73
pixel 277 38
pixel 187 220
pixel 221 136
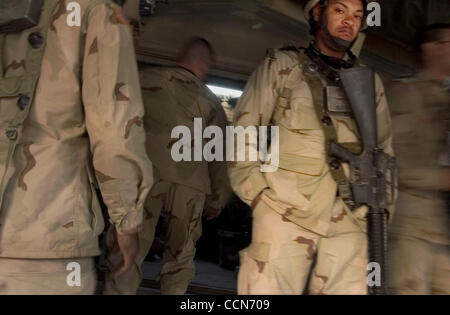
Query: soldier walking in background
pixel 184 191
pixel 419 234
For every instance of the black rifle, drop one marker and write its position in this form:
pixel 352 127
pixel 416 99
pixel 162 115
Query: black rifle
pixel 373 172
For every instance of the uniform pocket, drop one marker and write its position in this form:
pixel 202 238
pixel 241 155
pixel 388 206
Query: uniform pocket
pixel 253 264
pixel 296 115
pixel 308 119
pixel 259 251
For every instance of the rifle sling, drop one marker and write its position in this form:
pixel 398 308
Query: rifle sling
pixel 313 80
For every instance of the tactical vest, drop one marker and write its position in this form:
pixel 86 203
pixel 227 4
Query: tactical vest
pixel 313 79
pixel 22 89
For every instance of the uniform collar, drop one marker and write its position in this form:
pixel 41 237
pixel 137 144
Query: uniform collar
pixel 347 62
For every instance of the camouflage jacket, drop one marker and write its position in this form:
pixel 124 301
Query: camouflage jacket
pixel 420 108
pixel 173 96
pixel 302 189
pixel 87 114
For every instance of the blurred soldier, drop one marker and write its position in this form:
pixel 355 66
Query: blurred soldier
pixel 419 247
pixel 184 190
pixel 70 116
pixel 303 228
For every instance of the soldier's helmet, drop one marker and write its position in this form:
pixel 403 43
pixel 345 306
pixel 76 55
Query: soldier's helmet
pixel 312 3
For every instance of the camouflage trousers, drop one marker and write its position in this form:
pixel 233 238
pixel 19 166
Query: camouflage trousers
pixel 285 258
pixel 47 277
pixel 418 267
pixel 182 209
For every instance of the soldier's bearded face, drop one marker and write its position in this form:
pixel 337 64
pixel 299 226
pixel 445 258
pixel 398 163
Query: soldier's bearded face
pixel 344 18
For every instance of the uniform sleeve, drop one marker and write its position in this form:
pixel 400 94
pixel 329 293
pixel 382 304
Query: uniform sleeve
pixel 218 170
pixel 114 117
pixel 255 108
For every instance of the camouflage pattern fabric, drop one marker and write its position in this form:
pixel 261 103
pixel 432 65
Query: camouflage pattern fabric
pixel 85 123
pixel 284 257
pixel 45 276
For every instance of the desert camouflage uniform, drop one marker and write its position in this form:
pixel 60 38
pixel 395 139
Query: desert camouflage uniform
pixel 174 97
pixel 86 119
pixel 299 219
pixel 419 239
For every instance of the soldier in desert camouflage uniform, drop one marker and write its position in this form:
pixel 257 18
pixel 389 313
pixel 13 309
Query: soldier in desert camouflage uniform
pixel 302 230
pixel 83 123
pixel 185 190
pixel 419 235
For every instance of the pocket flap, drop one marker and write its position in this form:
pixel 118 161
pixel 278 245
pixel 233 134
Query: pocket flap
pixel 301 164
pixel 259 251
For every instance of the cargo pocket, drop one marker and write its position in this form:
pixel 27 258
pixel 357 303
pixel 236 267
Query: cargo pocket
pixel 253 273
pixel 296 115
pixel 259 251
pixel 320 278
pixel 307 118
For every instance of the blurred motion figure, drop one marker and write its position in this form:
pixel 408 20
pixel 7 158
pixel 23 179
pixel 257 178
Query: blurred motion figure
pixel 419 234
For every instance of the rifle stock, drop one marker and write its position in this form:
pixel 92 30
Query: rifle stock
pixel 359 87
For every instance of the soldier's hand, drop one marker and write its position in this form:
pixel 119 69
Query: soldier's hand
pixel 211 213
pixel 129 246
